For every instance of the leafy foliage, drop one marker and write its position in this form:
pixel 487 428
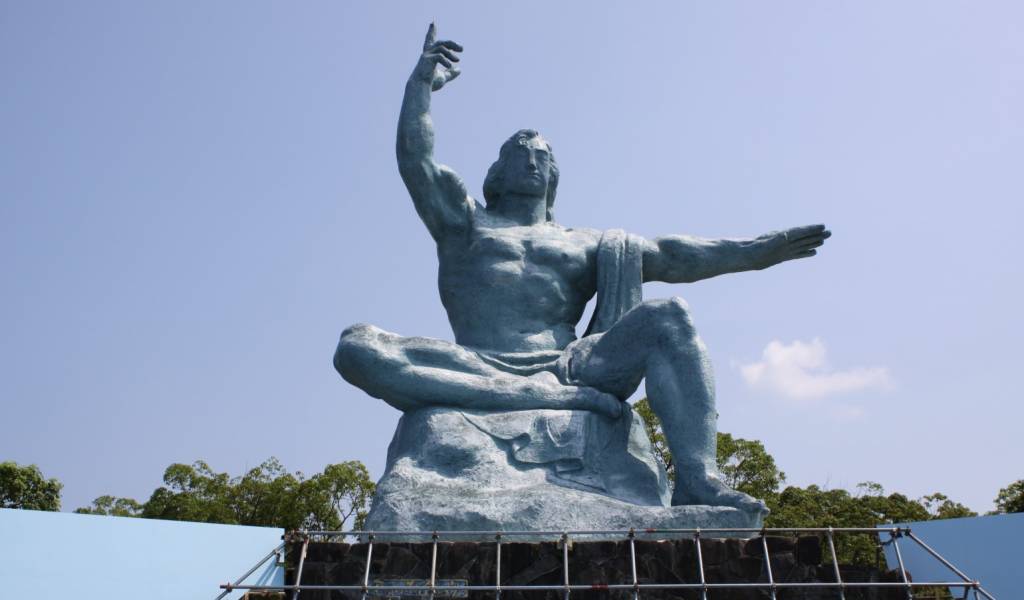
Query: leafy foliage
pixel 192 493
pixel 816 507
pixel 266 495
pixel 939 506
pixel 26 487
pixel 112 506
pixel 746 466
pixel 1011 498
pixel 348 489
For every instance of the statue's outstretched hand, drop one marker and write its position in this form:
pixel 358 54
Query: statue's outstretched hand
pixel 797 242
pixel 436 63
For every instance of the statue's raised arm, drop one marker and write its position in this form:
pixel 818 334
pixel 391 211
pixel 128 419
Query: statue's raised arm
pixel 438 193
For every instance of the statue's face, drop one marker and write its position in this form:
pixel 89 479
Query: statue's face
pixel 528 167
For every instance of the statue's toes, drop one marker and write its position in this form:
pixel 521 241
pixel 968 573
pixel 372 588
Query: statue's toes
pixel 712 491
pixel 745 502
pixel 753 505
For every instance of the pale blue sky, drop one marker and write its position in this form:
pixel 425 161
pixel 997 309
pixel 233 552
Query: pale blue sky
pixel 196 198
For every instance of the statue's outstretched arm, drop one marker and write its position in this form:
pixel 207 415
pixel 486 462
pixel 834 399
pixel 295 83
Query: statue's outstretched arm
pixel 438 193
pixel 682 259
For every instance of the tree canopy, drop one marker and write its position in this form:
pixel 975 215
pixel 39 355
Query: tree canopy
pixel 267 495
pixel 26 487
pixel 746 466
pixel 112 506
pixel 1011 498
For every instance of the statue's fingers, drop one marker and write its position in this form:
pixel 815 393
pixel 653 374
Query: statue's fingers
pixel 809 242
pixel 431 34
pixel 441 60
pixel 805 254
pixel 813 234
pixel 799 232
pixel 438 49
pixel 807 245
pixel 438 59
pixel 450 45
pixel 451 73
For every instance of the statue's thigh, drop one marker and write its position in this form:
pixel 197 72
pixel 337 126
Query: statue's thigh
pixel 615 363
pixel 428 352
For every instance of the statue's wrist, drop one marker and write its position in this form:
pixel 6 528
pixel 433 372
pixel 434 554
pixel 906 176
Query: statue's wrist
pixel 423 74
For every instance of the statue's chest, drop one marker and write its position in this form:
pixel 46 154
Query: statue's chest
pixel 540 247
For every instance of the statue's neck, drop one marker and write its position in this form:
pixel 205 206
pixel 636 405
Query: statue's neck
pixel 524 210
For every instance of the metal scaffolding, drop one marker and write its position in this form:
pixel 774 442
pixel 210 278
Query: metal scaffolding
pixel 964 583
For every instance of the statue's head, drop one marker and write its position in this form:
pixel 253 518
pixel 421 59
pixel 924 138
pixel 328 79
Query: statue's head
pixel 525 165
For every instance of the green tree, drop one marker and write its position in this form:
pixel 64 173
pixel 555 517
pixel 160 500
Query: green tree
pixel 266 495
pixel 112 506
pixel 939 506
pixel 346 490
pixel 746 466
pixel 1011 498
pixel 269 495
pixel 26 487
pixel 816 507
pixel 870 507
pixel 192 493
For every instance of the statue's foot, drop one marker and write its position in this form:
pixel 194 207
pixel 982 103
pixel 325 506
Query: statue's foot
pixel 702 487
pixel 588 398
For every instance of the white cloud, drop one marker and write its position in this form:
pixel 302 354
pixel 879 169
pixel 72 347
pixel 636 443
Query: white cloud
pixel 800 371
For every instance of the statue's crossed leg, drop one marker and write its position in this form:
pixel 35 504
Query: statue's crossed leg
pixel 655 340
pixel 415 372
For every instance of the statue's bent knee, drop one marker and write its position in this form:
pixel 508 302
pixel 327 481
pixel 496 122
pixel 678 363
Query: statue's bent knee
pixel 672 317
pixel 354 349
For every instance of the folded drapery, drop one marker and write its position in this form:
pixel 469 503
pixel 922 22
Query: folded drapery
pixel 619 279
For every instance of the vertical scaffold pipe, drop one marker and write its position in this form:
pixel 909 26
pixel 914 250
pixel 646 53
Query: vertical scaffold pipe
pixel 369 559
pixel 632 563
pixel 895 533
pixel 768 562
pixel 298 572
pixel 565 563
pixel 433 565
pixel 497 566
pixel 700 566
pixel 835 564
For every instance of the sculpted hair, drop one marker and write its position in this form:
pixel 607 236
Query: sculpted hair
pixel 494 183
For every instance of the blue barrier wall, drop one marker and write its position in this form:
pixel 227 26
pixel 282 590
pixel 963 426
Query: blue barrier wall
pixel 48 555
pixel 986 549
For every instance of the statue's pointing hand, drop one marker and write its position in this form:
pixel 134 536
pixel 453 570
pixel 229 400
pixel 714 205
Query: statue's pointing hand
pixel 789 244
pixel 436 64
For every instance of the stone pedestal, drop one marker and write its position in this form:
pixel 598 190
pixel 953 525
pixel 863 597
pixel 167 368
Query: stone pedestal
pixel 457 470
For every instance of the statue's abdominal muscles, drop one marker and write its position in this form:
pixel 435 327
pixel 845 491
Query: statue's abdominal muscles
pixel 516 289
